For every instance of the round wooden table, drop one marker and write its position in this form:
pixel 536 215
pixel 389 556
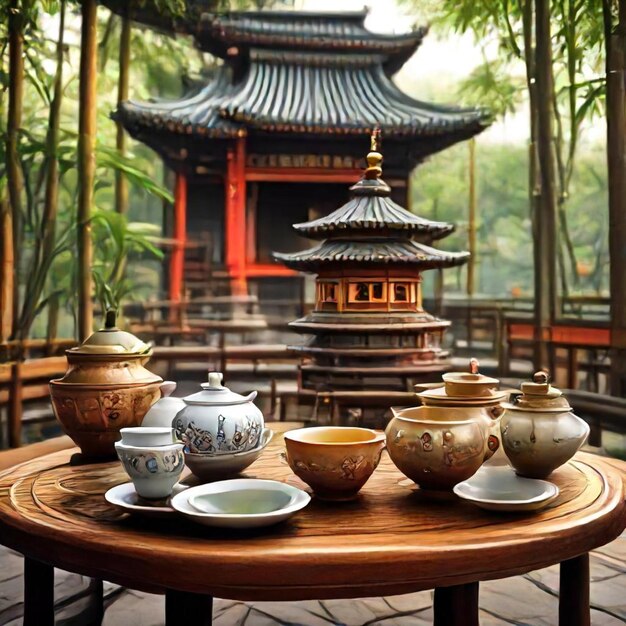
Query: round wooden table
pixel 393 539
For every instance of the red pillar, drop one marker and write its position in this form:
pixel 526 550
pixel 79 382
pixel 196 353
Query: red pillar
pixel 235 208
pixel 177 259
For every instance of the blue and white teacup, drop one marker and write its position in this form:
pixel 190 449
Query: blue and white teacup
pixel 154 471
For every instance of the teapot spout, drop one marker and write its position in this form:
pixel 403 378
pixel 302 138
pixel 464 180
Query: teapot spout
pixel 251 396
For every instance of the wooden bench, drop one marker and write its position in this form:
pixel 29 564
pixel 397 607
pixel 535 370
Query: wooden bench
pixel 23 381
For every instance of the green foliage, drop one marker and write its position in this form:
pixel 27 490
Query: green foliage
pixel 118 242
pixel 504 256
pixel 493 86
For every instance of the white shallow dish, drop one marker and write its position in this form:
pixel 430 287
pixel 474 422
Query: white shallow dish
pixel 241 503
pixel 216 466
pixel 499 488
pixel 125 498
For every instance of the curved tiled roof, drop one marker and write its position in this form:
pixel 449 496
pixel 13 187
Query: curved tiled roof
pixel 367 253
pixel 304 93
pixel 372 211
pixel 304 29
pixel 219 32
pixel 196 113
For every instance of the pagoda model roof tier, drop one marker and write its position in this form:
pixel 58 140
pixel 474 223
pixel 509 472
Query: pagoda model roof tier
pixel 307 93
pixel 371 211
pixel 347 253
pixel 371 231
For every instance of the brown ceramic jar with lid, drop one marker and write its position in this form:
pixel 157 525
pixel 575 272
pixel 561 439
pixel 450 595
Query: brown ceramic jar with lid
pixel 105 388
pixel 448 438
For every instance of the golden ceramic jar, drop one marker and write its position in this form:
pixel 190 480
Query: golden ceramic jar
pixel 539 429
pixel 105 388
pixel 447 439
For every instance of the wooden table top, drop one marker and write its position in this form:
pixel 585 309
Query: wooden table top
pixel 393 539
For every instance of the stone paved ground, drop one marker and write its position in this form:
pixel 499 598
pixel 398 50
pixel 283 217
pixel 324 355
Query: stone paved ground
pixel 529 600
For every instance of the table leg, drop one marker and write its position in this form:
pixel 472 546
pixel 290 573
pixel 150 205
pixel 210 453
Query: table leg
pixel 456 606
pixel 574 592
pixel 182 609
pixel 38 593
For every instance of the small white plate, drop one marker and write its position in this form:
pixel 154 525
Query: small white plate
pixel 501 489
pixel 241 503
pixel 125 497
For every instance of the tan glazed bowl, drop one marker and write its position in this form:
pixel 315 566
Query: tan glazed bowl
pixel 335 461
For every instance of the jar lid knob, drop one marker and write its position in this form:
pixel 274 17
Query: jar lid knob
pixel 473 364
pixel 110 319
pixel 541 378
pixel 215 380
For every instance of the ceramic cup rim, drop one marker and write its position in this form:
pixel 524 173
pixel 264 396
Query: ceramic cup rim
pixel 172 447
pixel 374 436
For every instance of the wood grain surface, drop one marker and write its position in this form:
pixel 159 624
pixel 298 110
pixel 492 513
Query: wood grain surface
pixel 393 539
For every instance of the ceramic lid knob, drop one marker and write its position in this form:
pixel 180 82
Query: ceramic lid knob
pixel 215 381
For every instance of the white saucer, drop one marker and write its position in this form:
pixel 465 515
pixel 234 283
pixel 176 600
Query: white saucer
pixel 220 506
pixel 498 488
pixel 125 498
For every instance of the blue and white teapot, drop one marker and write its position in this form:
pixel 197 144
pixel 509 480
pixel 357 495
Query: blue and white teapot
pixel 217 420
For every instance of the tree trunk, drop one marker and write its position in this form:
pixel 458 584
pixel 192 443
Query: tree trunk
pixel 615 42
pixel 86 163
pixel 46 239
pixel 121 184
pixel 546 217
pixel 15 176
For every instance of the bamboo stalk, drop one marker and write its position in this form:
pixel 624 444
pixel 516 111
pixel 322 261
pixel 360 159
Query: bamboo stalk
pixel 546 240
pixel 6 250
pixel 121 184
pixel 15 176
pixel 615 42
pixel 471 231
pixel 43 257
pixel 86 163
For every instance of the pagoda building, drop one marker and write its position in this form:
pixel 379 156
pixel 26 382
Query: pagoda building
pixel 369 330
pixel 270 139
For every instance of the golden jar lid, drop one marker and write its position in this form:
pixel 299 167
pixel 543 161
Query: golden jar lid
pixel 539 395
pixel 111 340
pixel 463 388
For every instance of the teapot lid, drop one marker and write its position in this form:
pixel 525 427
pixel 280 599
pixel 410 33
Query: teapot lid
pixel 215 394
pixel 540 395
pixel 465 387
pixel 111 340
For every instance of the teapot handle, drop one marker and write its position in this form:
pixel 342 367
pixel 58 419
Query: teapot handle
pixel 167 388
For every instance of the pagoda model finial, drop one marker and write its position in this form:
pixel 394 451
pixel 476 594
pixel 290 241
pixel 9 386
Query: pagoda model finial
pixel 374 158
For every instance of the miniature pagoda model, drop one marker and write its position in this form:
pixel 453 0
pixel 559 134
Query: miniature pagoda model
pixel 369 328
pixel 271 139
